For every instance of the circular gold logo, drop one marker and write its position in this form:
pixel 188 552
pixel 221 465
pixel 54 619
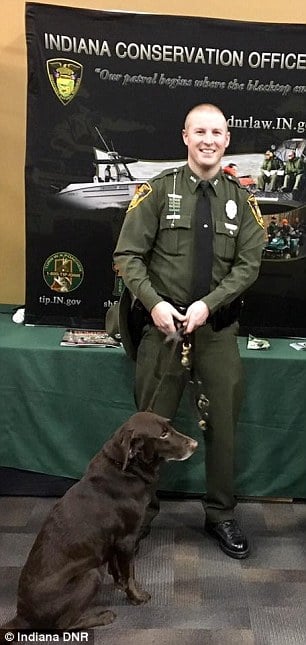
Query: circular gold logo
pixel 63 272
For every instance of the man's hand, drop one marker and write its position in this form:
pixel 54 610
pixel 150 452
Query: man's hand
pixel 164 315
pixel 196 315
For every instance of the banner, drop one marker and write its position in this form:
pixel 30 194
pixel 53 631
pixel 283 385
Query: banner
pixel 107 97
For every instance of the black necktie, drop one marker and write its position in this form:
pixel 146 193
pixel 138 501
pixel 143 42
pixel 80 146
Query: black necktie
pixel 203 245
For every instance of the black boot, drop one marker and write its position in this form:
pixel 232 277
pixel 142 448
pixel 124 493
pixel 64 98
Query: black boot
pixel 230 537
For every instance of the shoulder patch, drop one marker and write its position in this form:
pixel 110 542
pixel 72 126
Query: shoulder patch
pixel 141 193
pixel 252 201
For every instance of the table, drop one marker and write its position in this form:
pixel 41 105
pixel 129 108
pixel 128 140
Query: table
pixel 59 404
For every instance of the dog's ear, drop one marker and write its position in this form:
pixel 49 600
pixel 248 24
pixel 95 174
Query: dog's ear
pixel 131 446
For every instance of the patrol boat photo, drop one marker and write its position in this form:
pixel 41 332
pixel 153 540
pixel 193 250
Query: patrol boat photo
pixel 113 185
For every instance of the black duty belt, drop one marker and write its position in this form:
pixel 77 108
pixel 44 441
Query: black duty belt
pixel 139 317
pixel 223 317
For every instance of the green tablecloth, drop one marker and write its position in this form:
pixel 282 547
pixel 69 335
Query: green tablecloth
pixel 59 404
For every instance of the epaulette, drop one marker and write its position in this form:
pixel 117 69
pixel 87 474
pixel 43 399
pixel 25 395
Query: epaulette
pixel 166 173
pixel 235 180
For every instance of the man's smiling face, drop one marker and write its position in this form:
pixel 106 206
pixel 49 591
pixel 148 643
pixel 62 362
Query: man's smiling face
pixel 206 137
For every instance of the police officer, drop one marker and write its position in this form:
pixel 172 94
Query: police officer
pixel 269 172
pixel 155 254
pixel 107 173
pixel 294 170
pixel 272 228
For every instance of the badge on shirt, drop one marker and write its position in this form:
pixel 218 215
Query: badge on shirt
pixel 252 201
pixel 174 206
pixel 231 209
pixel 141 193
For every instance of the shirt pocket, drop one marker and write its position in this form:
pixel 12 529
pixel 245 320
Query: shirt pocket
pixel 174 233
pixel 225 240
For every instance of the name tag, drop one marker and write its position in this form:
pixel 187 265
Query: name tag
pixel 174 206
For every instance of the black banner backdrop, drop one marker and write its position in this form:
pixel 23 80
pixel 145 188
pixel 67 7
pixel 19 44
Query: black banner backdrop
pixel 107 96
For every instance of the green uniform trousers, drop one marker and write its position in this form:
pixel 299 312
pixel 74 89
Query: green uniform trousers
pixel 216 363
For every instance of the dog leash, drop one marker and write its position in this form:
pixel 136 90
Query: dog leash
pixel 176 340
pixel 199 398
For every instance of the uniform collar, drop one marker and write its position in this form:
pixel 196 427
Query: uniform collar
pixel 193 180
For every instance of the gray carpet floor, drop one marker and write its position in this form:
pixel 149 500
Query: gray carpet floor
pixel 198 594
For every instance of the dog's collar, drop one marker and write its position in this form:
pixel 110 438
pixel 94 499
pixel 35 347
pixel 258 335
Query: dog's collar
pixel 117 463
pixel 134 467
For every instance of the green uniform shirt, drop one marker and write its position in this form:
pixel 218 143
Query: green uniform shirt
pixel 294 166
pixel 271 164
pixel 154 253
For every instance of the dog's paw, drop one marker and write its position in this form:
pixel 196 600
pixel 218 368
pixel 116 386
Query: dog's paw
pixel 140 598
pixel 107 617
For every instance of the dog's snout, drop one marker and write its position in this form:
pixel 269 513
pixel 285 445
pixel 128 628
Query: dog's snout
pixel 193 444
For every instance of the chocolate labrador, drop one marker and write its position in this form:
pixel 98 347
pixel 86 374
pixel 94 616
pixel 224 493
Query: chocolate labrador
pixel 96 523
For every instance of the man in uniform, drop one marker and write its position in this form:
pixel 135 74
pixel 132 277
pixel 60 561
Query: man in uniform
pixel 294 170
pixel 269 172
pixel 178 284
pixel 272 228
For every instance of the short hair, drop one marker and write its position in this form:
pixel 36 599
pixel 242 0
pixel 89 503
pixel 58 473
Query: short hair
pixel 202 107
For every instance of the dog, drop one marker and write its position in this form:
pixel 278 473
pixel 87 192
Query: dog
pixel 96 523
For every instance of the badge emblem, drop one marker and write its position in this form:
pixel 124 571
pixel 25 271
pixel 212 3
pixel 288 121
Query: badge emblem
pixel 63 272
pixel 141 193
pixel 231 209
pixel 65 76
